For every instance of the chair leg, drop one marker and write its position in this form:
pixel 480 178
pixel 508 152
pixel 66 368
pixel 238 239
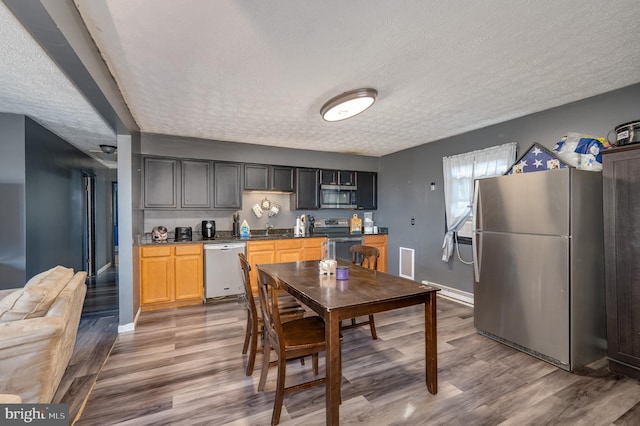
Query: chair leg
pixel 246 335
pixel 277 405
pixel 372 325
pixel 265 364
pixel 252 353
pixel 315 363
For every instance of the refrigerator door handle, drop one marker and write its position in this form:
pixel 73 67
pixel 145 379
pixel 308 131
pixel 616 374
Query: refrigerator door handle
pixel 474 242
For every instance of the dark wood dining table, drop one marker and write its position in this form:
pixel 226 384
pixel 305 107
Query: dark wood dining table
pixel 365 292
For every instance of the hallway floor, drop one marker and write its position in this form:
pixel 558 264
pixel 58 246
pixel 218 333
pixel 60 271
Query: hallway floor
pixel 97 332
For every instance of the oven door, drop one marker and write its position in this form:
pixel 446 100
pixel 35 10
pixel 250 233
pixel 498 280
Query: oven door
pixel 343 246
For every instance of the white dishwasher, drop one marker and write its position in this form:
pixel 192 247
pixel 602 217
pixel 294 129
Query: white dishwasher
pixel 222 272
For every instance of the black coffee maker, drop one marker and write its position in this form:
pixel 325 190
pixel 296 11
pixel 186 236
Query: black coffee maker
pixel 208 229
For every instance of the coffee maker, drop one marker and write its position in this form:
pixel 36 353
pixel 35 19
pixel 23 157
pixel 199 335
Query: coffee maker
pixel 208 229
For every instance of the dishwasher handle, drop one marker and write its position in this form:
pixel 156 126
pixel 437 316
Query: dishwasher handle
pixel 224 247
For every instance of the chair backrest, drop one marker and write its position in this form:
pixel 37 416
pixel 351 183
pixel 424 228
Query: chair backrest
pixel 246 281
pixel 268 287
pixel 366 256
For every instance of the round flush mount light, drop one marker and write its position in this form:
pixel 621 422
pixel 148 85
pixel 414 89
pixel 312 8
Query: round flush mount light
pixel 348 104
pixel 108 149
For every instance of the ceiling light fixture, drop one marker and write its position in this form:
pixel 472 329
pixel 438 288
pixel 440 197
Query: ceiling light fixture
pixel 348 104
pixel 108 149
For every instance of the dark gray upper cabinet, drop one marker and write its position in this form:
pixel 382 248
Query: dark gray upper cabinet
pixel 196 187
pixel 160 182
pixel 281 178
pixel 367 192
pixel 227 185
pixel 256 177
pixel 306 194
pixel 338 177
pixel 262 177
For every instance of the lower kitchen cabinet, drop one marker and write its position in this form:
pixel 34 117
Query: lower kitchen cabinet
pixel 621 180
pixel 259 252
pixel 278 251
pixel 171 275
pixel 380 242
pixel 313 248
pixel 289 250
pixel 189 281
pixel 156 275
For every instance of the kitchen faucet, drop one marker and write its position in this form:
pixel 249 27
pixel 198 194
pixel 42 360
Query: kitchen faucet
pixel 267 227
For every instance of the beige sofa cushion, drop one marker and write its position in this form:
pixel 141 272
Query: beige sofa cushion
pixel 35 299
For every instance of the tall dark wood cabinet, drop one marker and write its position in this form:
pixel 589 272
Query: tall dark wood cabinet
pixel 621 180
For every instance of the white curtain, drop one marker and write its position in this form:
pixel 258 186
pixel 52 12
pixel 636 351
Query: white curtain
pixel 459 173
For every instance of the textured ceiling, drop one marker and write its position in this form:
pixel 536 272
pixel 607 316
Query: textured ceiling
pixel 259 72
pixel 31 84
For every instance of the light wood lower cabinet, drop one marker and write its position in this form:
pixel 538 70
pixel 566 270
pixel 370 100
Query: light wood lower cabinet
pixel 170 276
pixel 380 242
pixel 289 250
pixel 279 251
pixel 259 252
pixel 313 248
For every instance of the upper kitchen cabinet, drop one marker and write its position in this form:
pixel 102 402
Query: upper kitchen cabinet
pixel 367 192
pixel 262 177
pixel 160 182
pixel 281 178
pixel 196 188
pixel 256 177
pixel 306 194
pixel 171 183
pixel 227 185
pixel 338 177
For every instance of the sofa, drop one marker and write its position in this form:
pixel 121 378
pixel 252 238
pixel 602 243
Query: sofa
pixel 38 328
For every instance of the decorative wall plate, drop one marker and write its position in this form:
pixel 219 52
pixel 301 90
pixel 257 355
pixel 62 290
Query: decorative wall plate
pixel 265 204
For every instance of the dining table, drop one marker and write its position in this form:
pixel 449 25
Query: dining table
pixel 364 292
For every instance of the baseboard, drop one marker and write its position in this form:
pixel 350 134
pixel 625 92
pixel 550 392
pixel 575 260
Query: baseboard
pixel 126 328
pixel 453 293
pixel 104 268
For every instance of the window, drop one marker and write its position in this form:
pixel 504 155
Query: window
pixel 460 172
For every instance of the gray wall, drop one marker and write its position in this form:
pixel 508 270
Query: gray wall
pixel 176 146
pixel 13 244
pixel 405 177
pixel 42 213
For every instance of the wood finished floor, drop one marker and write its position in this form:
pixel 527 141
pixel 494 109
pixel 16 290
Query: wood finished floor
pixel 97 333
pixel 184 367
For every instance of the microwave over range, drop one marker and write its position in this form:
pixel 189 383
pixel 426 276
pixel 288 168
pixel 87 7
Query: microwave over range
pixel 338 189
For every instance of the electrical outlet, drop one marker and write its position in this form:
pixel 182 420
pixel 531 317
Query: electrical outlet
pixel 413 221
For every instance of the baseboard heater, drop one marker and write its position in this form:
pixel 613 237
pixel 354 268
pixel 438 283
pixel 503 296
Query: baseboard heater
pixel 453 293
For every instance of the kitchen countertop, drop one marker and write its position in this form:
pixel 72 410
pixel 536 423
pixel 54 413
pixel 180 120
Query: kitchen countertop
pixel 144 240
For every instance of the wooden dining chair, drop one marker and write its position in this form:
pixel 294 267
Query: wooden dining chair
pixel 367 257
pixel 289 340
pixel 290 309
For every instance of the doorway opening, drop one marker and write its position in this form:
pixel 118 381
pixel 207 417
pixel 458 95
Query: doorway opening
pixel 114 217
pixel 89 223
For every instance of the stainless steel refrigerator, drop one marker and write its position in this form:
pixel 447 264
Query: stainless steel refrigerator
pixel 539 269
